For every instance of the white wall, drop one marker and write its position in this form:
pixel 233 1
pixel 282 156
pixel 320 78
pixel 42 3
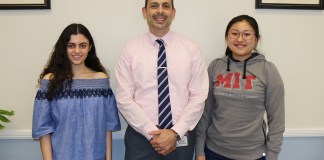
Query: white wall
pixel 291 39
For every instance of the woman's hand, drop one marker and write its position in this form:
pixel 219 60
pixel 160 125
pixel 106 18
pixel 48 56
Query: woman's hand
pixel 200 158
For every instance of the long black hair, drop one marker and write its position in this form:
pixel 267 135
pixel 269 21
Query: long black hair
pixel 59 65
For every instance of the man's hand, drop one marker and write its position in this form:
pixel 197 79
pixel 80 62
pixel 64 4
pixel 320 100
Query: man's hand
pixel 164 141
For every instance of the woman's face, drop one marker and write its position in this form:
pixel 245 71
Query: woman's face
pixel 241 40
pixel 77 49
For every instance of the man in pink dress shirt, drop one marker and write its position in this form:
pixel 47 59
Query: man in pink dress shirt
pixel 137 89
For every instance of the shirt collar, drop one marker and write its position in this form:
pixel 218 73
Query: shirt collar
pixel 167 38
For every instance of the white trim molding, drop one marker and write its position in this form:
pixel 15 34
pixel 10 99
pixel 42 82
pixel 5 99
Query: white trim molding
pixel 290 132
pixel 304 132
pixel 15 134
pixel 26 134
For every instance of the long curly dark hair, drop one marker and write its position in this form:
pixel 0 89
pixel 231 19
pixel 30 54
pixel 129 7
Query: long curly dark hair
pixel 59 65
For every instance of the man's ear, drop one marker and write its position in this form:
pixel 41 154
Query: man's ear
pixel 144 12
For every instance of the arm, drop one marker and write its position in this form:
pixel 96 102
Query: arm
pixel 275 111
pixel 112 122
pixel 43 124
pixel 108 145
pixel 46 147
pixel 204 123
pixel 200 158
pixel 125 89
pixel 198 91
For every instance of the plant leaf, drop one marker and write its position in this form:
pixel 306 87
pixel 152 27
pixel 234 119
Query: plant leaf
pixel 4 112
pixel 4 119
pixel 1 126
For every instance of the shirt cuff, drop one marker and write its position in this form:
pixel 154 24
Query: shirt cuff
pixel 180 130
pixel 149 129
pixel 200 148
pixel 272 155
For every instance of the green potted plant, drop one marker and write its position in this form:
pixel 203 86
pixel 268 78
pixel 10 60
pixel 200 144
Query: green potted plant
pixel 4 119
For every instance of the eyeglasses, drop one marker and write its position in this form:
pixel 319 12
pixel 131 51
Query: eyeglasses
pixel 246 35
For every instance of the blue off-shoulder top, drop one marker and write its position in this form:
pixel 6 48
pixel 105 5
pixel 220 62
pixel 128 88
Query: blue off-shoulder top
pixel 77 119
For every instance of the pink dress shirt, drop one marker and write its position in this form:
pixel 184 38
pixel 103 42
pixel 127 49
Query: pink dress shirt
pixel 136 83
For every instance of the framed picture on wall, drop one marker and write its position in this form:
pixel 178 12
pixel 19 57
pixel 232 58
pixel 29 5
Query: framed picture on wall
pixel 289 4
pixel 25 4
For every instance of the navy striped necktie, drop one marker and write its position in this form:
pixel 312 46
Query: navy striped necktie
pixel 165 115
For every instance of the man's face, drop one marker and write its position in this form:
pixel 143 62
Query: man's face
pixel 159 15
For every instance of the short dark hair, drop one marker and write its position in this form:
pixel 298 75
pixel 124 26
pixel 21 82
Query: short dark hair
pixel 146 1
pixel 253 23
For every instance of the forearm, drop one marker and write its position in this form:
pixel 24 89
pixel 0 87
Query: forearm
pixel 201 130
pixel 132 112
pixel 46 147
pixel 108 145
pixel 136 117
pixel 275 138
pixel 189 118
pixel 194 109
pixel 204 122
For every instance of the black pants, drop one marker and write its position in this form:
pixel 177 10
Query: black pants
pixel 139 148
pixel 210 155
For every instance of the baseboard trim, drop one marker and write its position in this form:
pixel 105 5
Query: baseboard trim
pixel 15 134
pixel 290 132
pixel 304 132
pixel 26 134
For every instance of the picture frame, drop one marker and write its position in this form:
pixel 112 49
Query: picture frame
pixel 24 4
pixel 290 4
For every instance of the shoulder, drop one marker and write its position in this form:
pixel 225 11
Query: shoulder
pixel 182 42
pixel 48 76
pixel 183 39
pixel 217 61
pixel 137 40
pixel 136 44
pixel 97 75
pixel 272 73
pixel 270 67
